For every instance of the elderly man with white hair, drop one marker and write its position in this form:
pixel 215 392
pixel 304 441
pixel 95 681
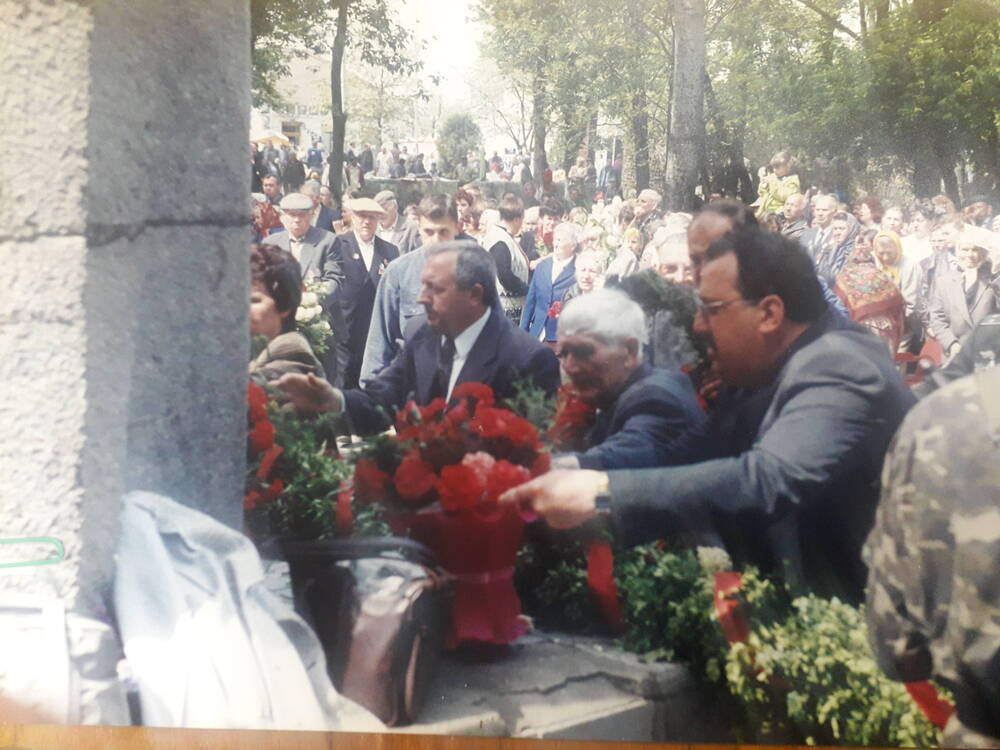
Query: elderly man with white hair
pixel 554 276
pixel 642 412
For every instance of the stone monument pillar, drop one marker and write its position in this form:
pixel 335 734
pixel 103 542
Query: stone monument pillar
pixel 123 295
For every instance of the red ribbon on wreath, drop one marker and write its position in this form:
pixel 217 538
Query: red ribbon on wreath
pixel 929 701
pixel 343 512
pixel 601 582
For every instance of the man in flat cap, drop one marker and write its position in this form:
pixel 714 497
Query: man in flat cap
pixel 312 247
pixel 394 227
pixel 362 258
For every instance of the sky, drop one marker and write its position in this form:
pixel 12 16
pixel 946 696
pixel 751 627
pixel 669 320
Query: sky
pixel 452 39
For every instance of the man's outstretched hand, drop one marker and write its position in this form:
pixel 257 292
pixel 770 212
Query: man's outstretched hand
pixel 308 393
pixel 565 499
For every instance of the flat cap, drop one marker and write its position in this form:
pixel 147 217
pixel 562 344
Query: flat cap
pixel 296 202
pixel 365 206
pixel 384 196
pixel 650 194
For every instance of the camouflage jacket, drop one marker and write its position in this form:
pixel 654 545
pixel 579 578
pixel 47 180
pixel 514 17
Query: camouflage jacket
pixel 933 600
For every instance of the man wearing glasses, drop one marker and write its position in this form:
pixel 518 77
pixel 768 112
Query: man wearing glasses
pixel 794 446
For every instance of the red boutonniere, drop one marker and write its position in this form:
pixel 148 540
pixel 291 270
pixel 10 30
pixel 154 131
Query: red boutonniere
pixel 555 309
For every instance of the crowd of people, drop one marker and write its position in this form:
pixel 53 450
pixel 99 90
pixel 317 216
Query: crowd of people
pixel 815 318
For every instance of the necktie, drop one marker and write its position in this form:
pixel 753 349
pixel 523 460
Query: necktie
pixel 446 358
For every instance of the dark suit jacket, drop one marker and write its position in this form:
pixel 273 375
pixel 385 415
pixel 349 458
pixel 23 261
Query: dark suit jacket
pixel 501 356
pixel 356 293
pixel 802 489
pixel 645 426
pixel 326 218
pixel 542 292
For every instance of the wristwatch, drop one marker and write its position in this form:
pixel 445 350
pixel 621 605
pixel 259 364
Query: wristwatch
pixel 602 501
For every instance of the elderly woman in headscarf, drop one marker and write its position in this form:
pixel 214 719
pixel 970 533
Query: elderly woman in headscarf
pixel 833 256
pixel 870 296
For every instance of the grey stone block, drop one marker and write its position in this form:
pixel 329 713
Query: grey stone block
pixel 187 408
pixel 44 95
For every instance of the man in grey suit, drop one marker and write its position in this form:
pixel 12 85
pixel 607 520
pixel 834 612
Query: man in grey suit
pixel 819 236
pixel 313 249
pixel 793 450
pixel 962 297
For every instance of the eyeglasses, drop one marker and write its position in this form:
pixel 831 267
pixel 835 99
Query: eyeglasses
pixel 710 308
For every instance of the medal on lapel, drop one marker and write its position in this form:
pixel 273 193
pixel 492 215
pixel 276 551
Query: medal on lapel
pixel 357 256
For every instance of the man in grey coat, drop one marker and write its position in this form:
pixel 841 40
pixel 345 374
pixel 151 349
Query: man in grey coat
pixel 313 249
pixel 792 452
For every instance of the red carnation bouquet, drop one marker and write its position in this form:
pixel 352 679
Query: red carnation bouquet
pixel 439 478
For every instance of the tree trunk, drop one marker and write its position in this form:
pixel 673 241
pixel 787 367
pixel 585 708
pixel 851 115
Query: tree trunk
pixel 539 163
pixel 639 126
pixel 337 99
pixel 687 125
pixel 946 168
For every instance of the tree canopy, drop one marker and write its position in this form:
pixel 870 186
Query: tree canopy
pixel 459 135
pixel 860 91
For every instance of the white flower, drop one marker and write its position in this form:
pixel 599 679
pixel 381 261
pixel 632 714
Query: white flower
pixel 309 299
pixel 323 327
pixel 714 560
pixel 306 314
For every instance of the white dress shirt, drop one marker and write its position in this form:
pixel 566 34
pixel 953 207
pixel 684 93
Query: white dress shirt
pixel 367 251
pixel 295 246
pixel 463 345
pixel 558 266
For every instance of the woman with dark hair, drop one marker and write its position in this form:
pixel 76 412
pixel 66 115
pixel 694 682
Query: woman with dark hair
pixel 870 296
pixel 868 211
pixel 275 295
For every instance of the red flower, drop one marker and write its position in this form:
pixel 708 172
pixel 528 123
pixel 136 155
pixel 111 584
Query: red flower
pixel 255 498
pixel 503 476
pixel 433 409
pixel 574 417
pixel 555 309
pixel 369 480
pixel 274 489
pixel 415 477
pixel 257 401
pixel 460 487
pixel 522 432
pixel 482 463
pixel 490 422
pixel 407 416
pixel 262 436
pixel 541 465
pixel 267 462
pixel 251 500
pixel 479 391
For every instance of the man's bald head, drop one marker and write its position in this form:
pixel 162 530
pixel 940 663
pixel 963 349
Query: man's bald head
pixel 795 207
pixel 706 227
